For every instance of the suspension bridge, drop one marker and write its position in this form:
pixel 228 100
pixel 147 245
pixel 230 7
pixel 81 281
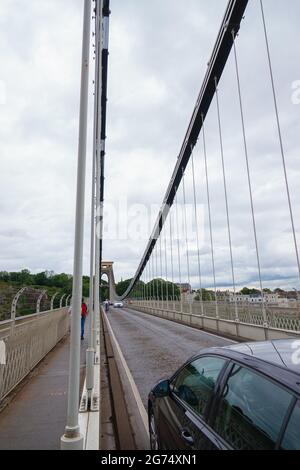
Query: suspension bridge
pixel 94 394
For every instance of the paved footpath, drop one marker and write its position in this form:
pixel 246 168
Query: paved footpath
pixel 35 419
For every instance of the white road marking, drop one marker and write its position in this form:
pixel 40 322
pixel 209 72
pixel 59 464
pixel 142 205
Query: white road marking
pixel 132 383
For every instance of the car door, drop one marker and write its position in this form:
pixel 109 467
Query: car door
pixel 251 410
pixel 182 415
pixel 291 437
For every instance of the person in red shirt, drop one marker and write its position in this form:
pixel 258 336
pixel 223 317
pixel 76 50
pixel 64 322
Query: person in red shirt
pixel 84 312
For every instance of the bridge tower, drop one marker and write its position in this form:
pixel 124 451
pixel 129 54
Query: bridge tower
pixel 107 268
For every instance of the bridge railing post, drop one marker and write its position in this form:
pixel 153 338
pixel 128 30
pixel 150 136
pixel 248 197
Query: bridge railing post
pixel 52 300
pixel 61 300
pixel 15 303
pixel 39 300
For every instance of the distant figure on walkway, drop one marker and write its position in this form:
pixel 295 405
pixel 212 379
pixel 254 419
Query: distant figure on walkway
pixel 106 304
pixel 83 318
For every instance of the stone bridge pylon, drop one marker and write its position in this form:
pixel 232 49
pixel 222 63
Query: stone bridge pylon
pixel 107 268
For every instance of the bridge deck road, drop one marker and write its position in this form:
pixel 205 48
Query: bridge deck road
pixel 154 348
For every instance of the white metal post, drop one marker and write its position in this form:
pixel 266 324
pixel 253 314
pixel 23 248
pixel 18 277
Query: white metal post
pixel 72 439
pixel 98 174
pixel 38 304
pixel 90 354
pixel 15 303
pixel 61 301
pixel 52 300
pixel 67 300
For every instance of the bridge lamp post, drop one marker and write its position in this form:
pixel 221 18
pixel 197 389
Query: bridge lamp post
pixel 72 439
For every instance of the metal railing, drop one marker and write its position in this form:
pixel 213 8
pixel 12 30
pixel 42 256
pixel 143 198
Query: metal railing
pixel 19 302
pixel 27 340
pixel 285 319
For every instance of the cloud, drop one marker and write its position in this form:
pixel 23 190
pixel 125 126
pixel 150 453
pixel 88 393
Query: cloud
pixel 158 57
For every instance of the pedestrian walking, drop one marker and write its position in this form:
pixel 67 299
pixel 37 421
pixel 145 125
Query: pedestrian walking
pixel 84 312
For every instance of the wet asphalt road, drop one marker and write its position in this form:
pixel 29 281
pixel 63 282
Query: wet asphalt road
pixel 154 348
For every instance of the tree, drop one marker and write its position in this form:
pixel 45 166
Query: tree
pixel 4 276
pixel 159 289
pixel 44 279
pixel 86 286
pixel 62 280
pixel 279 291
pixel 122 287
pixel 26 277
pixel 206 295
pixel 41 279
pixel 246 291
pixel 267 291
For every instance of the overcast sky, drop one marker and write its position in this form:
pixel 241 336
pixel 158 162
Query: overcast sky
pixel 158 57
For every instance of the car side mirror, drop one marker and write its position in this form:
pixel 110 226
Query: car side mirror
pixel 162 390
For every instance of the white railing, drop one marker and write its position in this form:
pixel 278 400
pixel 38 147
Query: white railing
pixel 27 340
pixel 282 323
pixel 15 302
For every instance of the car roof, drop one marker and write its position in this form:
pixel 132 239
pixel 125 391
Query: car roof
pixel 276 359
pixel 281 352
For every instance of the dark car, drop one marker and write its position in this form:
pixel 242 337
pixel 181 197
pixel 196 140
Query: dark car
pixel 241 397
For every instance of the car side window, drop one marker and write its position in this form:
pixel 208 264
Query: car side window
pixel 251 411
pixel 196 382
pixel 291 439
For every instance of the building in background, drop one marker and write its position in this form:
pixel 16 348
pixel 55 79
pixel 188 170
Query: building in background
pixel 184 288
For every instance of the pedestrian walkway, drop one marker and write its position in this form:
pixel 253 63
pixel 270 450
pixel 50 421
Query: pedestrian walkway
pixel 35 418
